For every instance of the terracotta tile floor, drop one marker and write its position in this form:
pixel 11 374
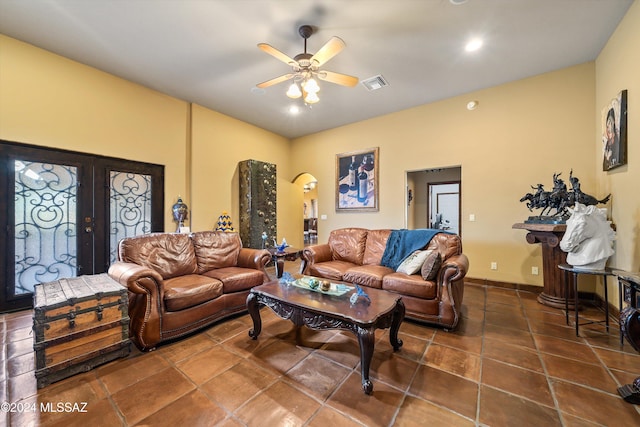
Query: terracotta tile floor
pixel 512 361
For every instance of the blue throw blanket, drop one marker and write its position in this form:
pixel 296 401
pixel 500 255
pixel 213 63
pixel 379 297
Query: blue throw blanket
pixel 402 243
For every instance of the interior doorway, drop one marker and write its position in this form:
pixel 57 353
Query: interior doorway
pixel 444 206
pixel 434 199
pixel 309 185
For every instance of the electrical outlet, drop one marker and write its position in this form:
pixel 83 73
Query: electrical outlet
pixel 494 265
pixel 534 271
pixel 472 217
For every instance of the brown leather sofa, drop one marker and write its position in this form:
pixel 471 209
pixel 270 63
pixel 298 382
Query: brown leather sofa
pixel 354 255
pixel 179 283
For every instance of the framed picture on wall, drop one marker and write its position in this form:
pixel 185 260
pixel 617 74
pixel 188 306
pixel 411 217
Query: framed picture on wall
pixel 357 181
pixel 614 132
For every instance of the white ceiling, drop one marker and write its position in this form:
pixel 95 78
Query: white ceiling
pixel 204 51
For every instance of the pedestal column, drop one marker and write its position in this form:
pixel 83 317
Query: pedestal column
pixel 549 236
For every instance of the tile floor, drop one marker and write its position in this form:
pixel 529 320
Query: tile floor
pixel 512 361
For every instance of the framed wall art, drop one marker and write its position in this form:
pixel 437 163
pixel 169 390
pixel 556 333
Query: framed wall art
pixel 357 181
pixel 614 132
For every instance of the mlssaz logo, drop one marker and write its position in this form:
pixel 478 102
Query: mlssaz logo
pixel 63 407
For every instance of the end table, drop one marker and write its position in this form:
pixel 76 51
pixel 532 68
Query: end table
pixel 278 257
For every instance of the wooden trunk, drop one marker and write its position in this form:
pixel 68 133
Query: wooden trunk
pixel 78 324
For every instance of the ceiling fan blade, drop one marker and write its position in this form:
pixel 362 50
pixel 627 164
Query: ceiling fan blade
pixel 277 54
pixel 341 79
pixel 275 81
pixel 329 50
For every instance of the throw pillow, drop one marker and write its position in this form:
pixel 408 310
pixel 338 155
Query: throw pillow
pixel 413 262
pixel 431 265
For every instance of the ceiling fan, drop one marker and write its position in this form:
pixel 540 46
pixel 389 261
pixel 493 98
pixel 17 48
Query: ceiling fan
pixel 306 66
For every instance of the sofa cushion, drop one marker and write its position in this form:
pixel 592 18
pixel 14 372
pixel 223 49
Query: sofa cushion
pixel 236 279
pixel 375 246
pixel 447 244
pixel 413 263
pixel 347 244
pixel 330 269
pixel 413 285
pixel 216 249
pixel 190 290
pixel 367 275
pixel 431 265
pixel 170 254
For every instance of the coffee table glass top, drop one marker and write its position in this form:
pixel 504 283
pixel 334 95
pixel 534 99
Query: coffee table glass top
pixel 363 311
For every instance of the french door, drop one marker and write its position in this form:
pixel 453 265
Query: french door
pixel 65 213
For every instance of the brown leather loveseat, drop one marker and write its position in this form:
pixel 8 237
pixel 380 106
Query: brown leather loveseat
pixel 179 282
pixel 354 255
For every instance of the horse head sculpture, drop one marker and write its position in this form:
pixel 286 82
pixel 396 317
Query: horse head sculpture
pixel 588 239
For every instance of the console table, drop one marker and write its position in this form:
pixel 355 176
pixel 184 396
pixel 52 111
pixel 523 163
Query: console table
pixel 554 293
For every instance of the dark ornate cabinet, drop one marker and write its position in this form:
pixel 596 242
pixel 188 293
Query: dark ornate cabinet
pixel 257 203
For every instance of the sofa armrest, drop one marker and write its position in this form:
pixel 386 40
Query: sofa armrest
pixel 254 258
pixel 455 268
pixel 129 275
pixel 146 306
pixel 451 288
pixel 315 254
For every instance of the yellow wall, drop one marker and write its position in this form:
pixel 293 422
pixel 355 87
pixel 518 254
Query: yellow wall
pixel 219 142
pixel 51 101
pixel 618 68
pixel 520 135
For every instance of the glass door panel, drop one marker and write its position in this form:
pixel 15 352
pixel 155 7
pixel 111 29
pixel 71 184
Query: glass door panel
pixel 44 223
pixel 130 207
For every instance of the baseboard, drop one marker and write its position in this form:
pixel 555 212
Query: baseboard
pixel 589 297
pixel 506 285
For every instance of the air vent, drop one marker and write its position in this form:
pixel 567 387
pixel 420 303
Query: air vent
pixel 375 82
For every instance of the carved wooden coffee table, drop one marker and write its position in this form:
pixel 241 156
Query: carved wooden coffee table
pixel 318 310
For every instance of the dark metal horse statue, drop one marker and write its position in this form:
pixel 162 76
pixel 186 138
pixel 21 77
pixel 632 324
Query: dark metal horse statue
pixel 559 199
pixel 579 197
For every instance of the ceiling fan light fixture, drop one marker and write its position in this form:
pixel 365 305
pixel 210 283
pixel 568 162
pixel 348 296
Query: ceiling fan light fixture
pixel 311 98
pixel 311 85
pixel 305 67
pixel 294 91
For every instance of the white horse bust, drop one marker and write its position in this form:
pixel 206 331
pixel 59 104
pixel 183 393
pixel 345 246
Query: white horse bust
pixel 588 240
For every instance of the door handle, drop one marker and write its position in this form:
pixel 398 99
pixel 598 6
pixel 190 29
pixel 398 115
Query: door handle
pixel 89 227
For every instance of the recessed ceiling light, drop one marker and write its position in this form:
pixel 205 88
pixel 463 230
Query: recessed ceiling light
pixel 294 109
pixel 472 105
pixel 473 45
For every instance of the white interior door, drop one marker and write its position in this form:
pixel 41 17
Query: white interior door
pixel 444 206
